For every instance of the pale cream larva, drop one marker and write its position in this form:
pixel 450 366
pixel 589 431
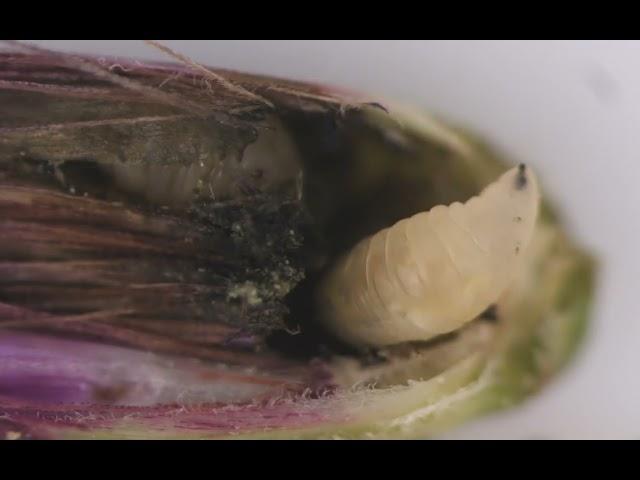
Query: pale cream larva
pixel 435 271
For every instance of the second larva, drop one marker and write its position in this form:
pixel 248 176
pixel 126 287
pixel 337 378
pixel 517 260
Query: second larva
pixel 433 272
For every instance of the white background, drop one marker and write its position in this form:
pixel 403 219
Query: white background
pixel 570 109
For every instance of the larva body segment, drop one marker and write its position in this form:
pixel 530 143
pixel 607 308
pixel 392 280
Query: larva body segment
pixel 433 272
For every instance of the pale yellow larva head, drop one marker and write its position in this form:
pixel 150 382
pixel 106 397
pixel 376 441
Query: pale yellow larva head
pixel 434 272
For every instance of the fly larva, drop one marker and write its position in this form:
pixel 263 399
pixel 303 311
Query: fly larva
pixel 176 184
pixel 433 272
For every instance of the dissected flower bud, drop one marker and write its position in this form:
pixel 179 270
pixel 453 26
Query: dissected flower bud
pixel 195 253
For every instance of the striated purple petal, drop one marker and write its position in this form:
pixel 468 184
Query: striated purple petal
pixel 49 370
pixel 49 386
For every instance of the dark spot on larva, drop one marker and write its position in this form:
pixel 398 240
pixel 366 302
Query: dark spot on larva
pixel 517 219
pixel 517 249
pixel 521 177
pixel 490 314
